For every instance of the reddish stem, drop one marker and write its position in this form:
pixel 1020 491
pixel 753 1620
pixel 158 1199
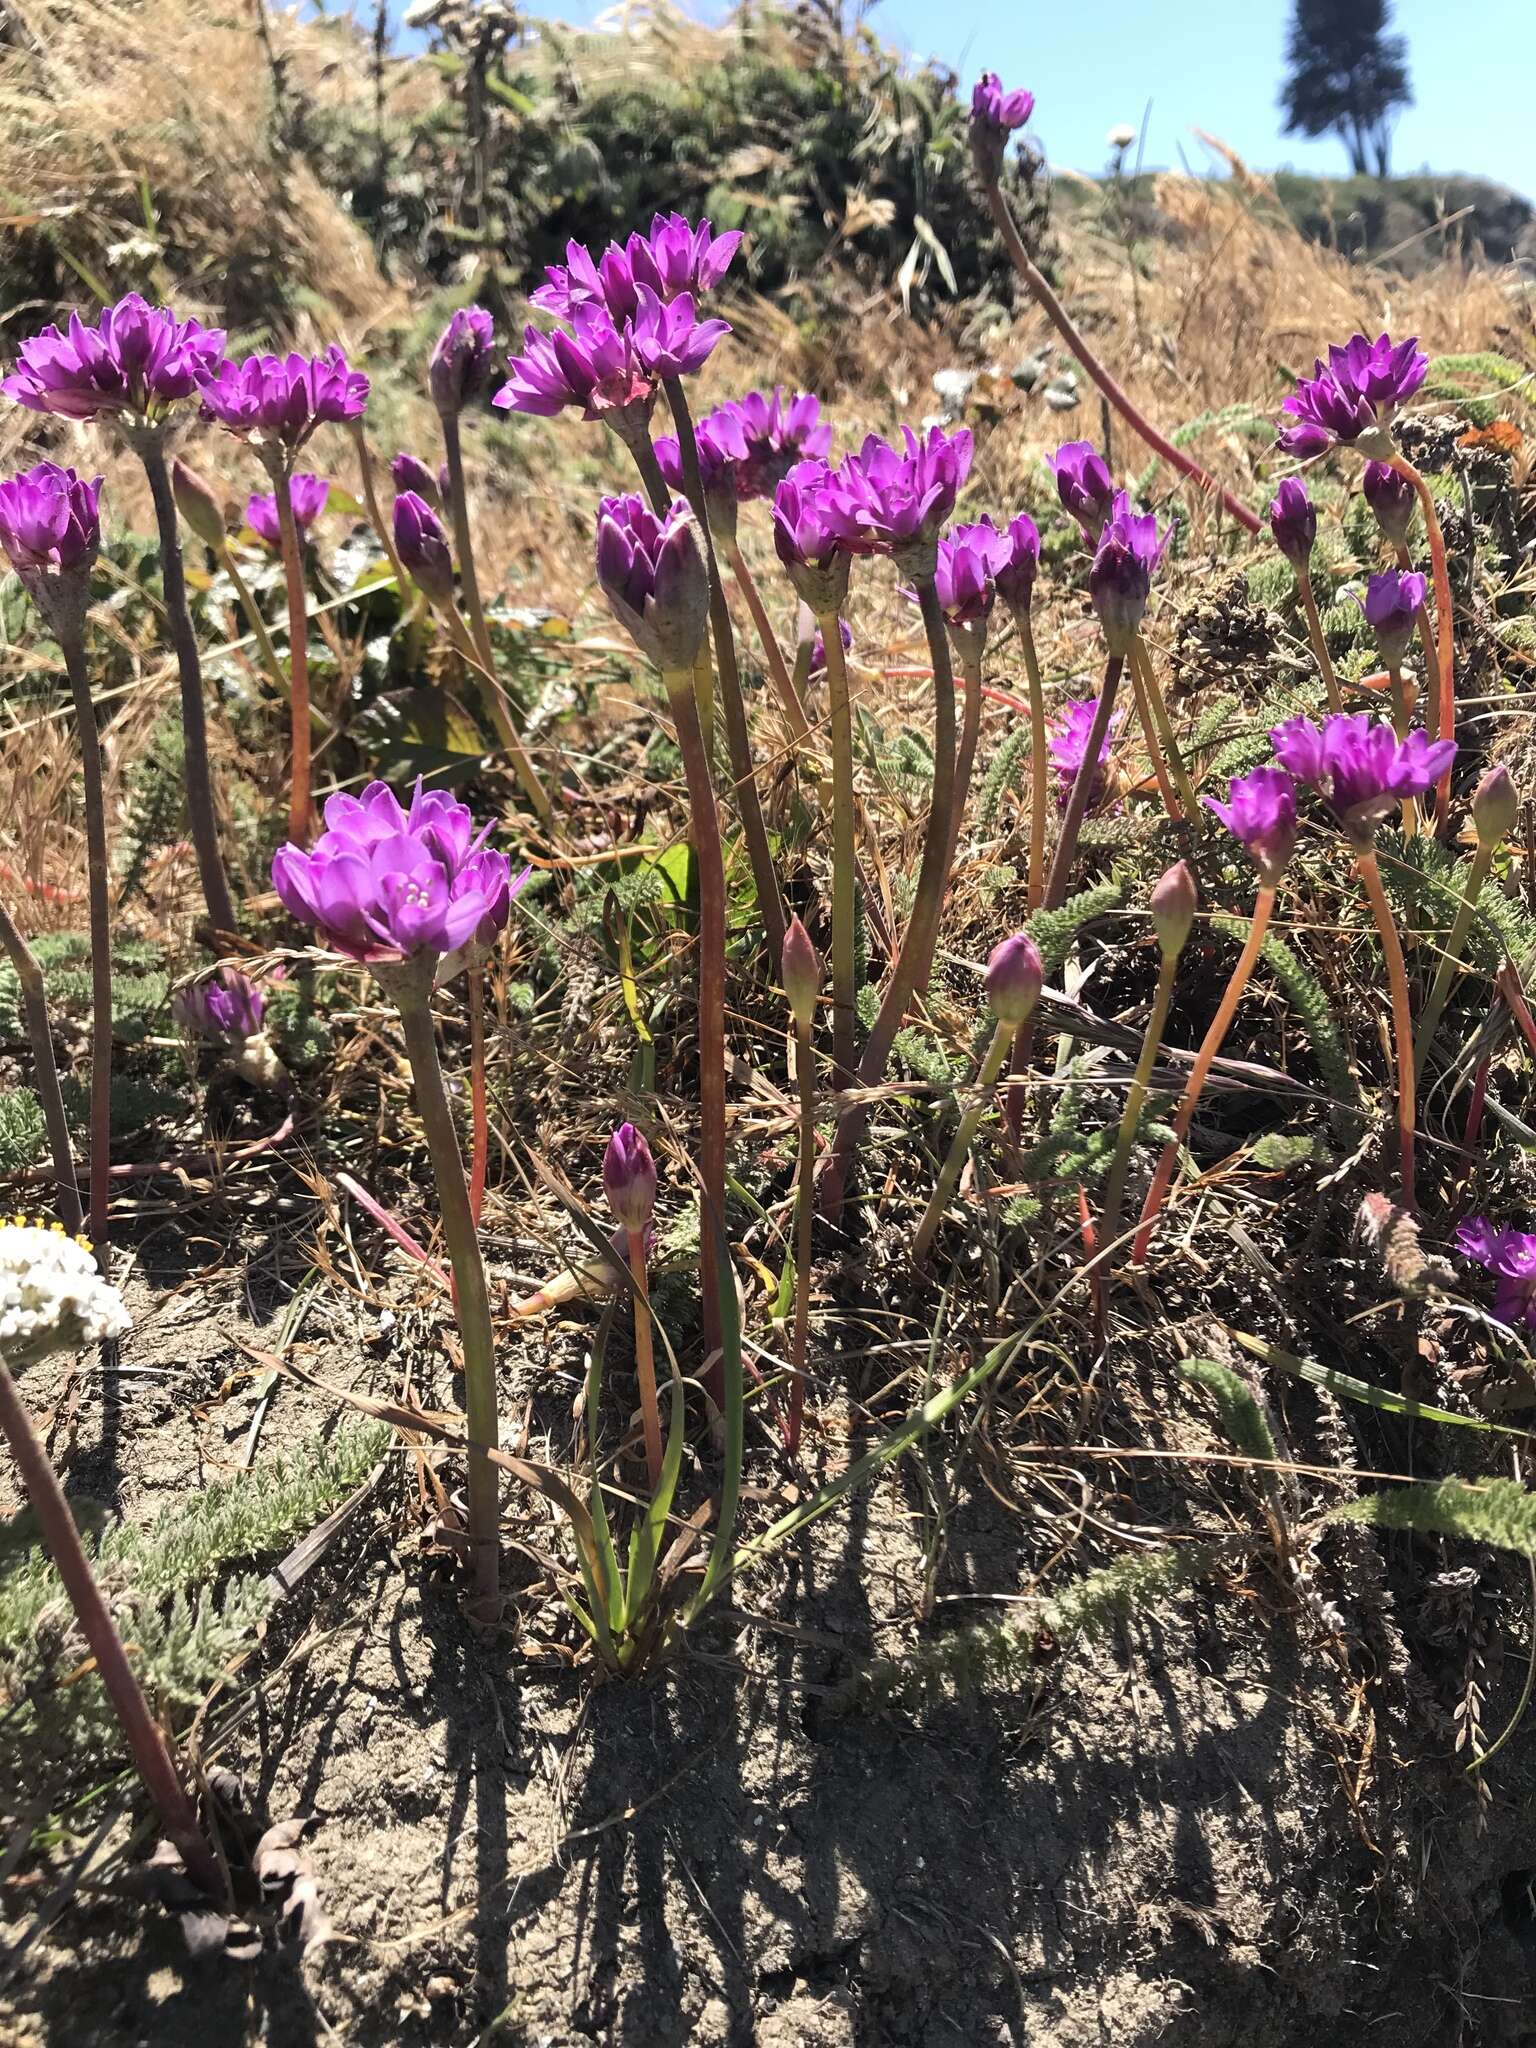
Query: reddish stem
pixel 645 1357
pixel 99 875
pixel 773 654
pixel 299 808
pixel 1444 623
pixel 1402 1012
pixel 480 1129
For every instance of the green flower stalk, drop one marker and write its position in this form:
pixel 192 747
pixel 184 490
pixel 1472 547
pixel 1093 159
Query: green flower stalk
pixel 629 1181
pixel 459 372
pixel 1495 808
pixel 1015 975
pixel 1293 524
pixel 802 984
pixel 1173 916
pixel 1157 705
pixel 45 1072
pixel 773 654
pixel 376 519
pixel 199 507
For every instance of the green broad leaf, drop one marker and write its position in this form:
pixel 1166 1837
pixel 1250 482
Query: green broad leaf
pixel 679 871
pixel 1347 1388
pixel 421 731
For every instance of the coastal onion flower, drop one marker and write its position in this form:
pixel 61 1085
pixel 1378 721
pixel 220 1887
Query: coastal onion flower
pixel 411 474
pixel 1360 768
pixel 1293 523
pixel 808 536
pixel 1084 485
pixel 669 338
pixel 1015 574
pixel 673 258
pixel 228 1005
pixel 1120 580
pixel 722 448
pixel 276 402
pixel 1069 745
pixel 777 434
pixel 136 359
pixel 50 524
pixel 629 1177
pixel 994 116
pixel 1353 396
pixel 1392 602
pixel 309 495
pixel 461 364
pixel 422 546
pixel 1390 496
pixel 593 367
pixel 652 573
pixel 1510 1256
pixel 607 281
pixel 381 884
pixel 51 1296
pixel 893 501
pixel 969 559
pixel 1014 978
pixel 1260 811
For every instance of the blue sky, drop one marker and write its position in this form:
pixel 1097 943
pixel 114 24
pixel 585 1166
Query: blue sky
pixel 1217 64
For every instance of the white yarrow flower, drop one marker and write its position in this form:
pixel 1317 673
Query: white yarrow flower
pixel 51 1296
pixel 1121 136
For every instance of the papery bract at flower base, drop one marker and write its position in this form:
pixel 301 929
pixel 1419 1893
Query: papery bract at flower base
pixel 800 970
pixel 462 364
pixel 1084 485
pixel 1069 746
pixel 1293 523
pixel 1015 575
pixel 229 1005
pixel 1360 767
pixel 198 503
pixel 136 359
pixel 807 536
pixel 652 573
pixel 629 1177
pixel 308 495
pixel 777 435
pixel 383 884
pixel 1391 498
pixel 422 546
pixel 50 520
pixel 1120 580
pixel 1510 1256
pixel 1260 811
pixel 411 474
pixel 1014 978
pixel 1392 602
pixel 277 402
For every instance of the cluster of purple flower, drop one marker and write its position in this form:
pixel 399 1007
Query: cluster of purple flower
pixel 1353 396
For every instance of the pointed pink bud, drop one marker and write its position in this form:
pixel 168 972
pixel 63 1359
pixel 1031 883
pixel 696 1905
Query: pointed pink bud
pixel 197 504
pixel 1173 909
pixel 1495 807
pixel 1015 973
pixel 629 1177
pixel 801 970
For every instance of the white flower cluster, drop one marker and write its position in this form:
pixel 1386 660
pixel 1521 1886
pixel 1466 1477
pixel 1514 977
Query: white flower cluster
pixel 51 1296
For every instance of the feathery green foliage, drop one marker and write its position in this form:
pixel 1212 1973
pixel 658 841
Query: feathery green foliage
pixel 1498 1511
pixel 1238 1408
pixel 1054 931
pixel 1005 766
pixel 22 1132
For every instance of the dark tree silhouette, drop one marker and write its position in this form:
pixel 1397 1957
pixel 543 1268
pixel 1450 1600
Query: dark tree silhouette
pixel 1347 76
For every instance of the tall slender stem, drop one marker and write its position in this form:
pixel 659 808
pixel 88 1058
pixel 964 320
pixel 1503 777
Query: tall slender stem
pixel 1445 627
pixel 1450 959
pixel 381 526
pixel 1427 642
pixel 773 654
pixel 1319 640
pixel 152 1758
pixel 194 721
pixel 45 1071
pixel 711 999
pixel 965 758
pixel 1039 758
pixel 1402 711
pixel 471 1296
pixel 844 966
pixel 1150 738
pixel 1402 1012
pixel 463 541
pixel 1199 1073
pixel 645 1357
pixel 1056 313
pixel 300 809
pixel 1082 787
pixel 805 1190
pixel 495 697
pixel 913 965
pixel 737 737
pixel 479 1118
pixel 949 1172
pixel 1141 659
pixel 71 631
pixel 258 625
pixel 1130 1116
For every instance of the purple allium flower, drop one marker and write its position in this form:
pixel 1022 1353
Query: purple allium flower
pixel 228 1005
pixel 50 521
pixel 1084 485
pixel 652 573
pixel 676 258
pixel 461 364
pixel 278 401
pixel 1391 605
pixel 722 446
pixel 1361 768
pixel 777 435
pixel 1293 522
pixel 1120 580
pixel 422 546
pixel 385 884
pixel 1261 812
pixel 1510 1256
pixel 594 366
pixel 1390 497
pixel 410 474
pixel 309 494
pixel 887 500
pixel 1069 746
pixel 969 559
pixel 582 280
pixel 1354 395
pixel 808 535
pixel 629 1177
pixel 994 116
pixel 819 647
pixel 669 338
pixel 1015 975
pixel 137 359
pixel 1015 578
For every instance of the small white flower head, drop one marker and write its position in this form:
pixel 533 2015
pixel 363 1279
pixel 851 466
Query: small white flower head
pixel 51 1296
pixel 1121 136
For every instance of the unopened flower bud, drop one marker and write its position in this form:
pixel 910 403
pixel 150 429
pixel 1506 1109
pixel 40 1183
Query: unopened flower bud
pixel 652 573
pixel 1015 973
pixel 629 1178
pixel 422 546
pixel 410 474
pixel 1390 497
pixel 198 504
pixel 801 971
pixel 1495 807
pixel 1173 909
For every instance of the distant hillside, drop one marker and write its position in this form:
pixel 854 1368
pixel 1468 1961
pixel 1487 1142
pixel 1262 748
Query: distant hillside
pixel 1412 222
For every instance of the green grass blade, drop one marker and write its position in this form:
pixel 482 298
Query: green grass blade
pixel 1350 1389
